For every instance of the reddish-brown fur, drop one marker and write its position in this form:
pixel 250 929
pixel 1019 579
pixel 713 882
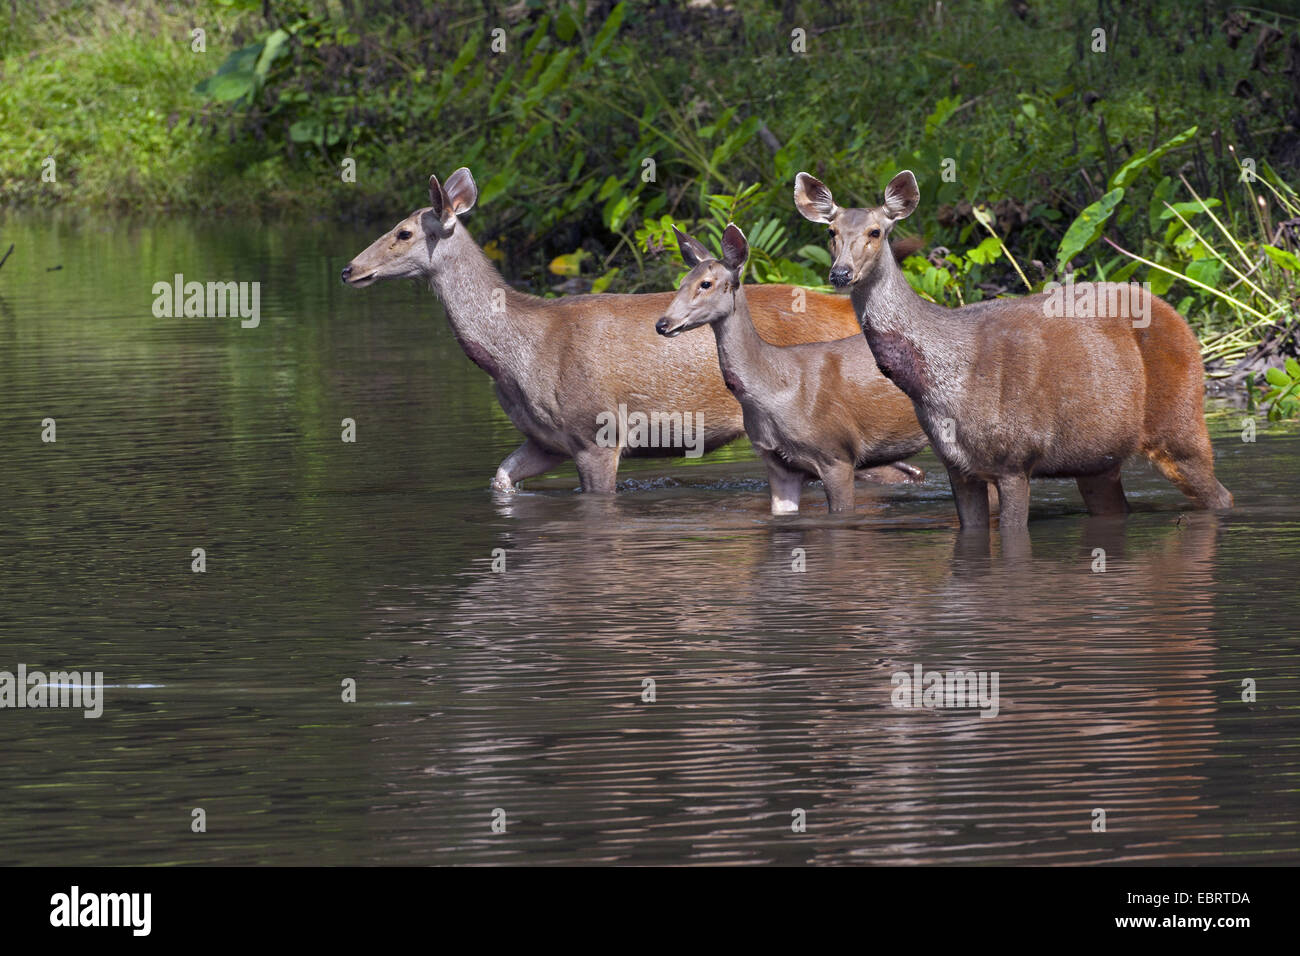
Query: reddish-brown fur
pixel 1008 389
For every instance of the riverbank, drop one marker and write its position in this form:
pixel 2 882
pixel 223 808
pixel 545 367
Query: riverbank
pixel 588 139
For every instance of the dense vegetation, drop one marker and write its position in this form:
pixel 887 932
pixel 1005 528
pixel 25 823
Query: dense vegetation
pixel 591 125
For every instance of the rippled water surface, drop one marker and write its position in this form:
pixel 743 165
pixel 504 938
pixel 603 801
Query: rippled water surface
pixel 522 691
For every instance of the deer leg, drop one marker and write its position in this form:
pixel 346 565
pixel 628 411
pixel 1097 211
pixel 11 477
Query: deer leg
pixel 972 497
pixel 1104 494
pixel 598 469
pixel 527 461
pixel 784 486
pixel 1013 496
pixel 837 481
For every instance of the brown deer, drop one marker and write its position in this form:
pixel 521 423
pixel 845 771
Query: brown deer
pixel 564 366
pixel 818 410
pixel 1008 389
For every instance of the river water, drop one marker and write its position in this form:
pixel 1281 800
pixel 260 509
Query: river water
pixel 521 697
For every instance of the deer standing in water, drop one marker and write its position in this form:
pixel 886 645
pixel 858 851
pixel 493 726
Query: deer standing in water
pixel 563 366
pixel 1006 389
pixel 817 410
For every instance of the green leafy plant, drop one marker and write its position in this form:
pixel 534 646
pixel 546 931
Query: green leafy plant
pixel 952 281
pixel 1265 278
pixel 1282 399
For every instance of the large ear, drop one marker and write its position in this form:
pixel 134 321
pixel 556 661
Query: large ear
pixel 438 200
pixel 813 199
pixel 693 252
pixel 462 191
pixel 901 195
pixel 735 249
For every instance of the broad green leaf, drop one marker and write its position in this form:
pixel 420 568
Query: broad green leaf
pixel 1128 172
pixel 502 88
pixel 616 211
pixel 1124 273
pixel 1206 271
pixel 566 25
pixel 607 188
pixel 538 35
pixel 464 57
pixel 235 77
pixel 307 131
pixel 986 252
pixel 1186 209
pixel 1084 231
pixel 1276 376
pixel 569 264
pixel 605 35
pixel 1164 191
pixel 942 110
pixel 226 86
pixel 273 46
pixel 1160 281
pixel 601 284
pixel 819 254
pixel 1283 257
pixel 550 78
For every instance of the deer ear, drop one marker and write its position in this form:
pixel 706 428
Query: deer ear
pixel 735 249
pixel 693 252
pixel 813 199
pixel 902 195
pixel 462 191
pixel 438 199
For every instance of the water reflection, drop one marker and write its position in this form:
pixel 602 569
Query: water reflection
pixel 773 686
pixel 771 643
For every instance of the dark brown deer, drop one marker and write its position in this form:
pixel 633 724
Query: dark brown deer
pixel 819 410
pixel 563 366
pixel 1008 389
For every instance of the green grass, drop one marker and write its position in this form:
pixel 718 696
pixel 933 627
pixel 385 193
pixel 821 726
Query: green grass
pixel 106 89
pixel 557 128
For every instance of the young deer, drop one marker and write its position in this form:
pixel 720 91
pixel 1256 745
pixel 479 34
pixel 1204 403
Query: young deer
pixel 1006 389
pixel 818 410
pixel 562 367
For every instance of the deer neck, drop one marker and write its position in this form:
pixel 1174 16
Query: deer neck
pixel 920 346
pixel 742 353
pixel 487 316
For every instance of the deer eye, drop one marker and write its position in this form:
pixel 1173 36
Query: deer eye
pixel 706 285
pixel 832 233
pixel 404 234
pixel 874 234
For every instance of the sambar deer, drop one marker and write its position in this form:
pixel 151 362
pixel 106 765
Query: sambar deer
pixel 1007 389
pixel 562 367
pixel 817 410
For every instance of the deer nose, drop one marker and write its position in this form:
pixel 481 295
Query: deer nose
pixel 347 273
pixel 662 325
pixel 840 276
